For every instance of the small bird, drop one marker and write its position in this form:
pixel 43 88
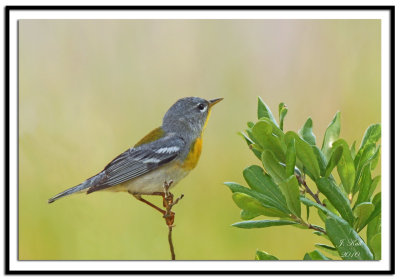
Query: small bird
pixel 167 153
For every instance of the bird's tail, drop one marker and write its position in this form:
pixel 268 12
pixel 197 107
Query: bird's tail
pixel 84 185
pixel 70 191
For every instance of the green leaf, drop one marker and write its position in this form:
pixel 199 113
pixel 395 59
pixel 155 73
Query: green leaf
pixel 246 138
pixel 373 186
pixel 343 191
pixel 300 226
pixel 251 205
pixel 264 111
pixel 330 207
pixel 255 146
pixel 320 158
pixel 321 234
pixel 331 135
pixel 345 166
pixel 290 188
pixel 249 143
pixel 328 187
pixel 346 240
pixel 362 213
pixel 257 153
pixel 273 167
pixel 364 157
pixel 308 212
pixel 275 209
pixel 364 185
pixel 275 129
pixel 373 228
pixel 264 256
pixel 334 160
pixel 364 154
pixel 262 224
pixel 353 150
pixel 315 256
pixel 322 215
pixel 326 248
pixel 259 130
pixel 247 215
pixel 376 246
pixel 375 158
pixel 250 124
pixel 261 182
pixel 371 135
pixel 304 153
pixel 376 201
pixel 306 132
pixel 250 136
pixel 290 157
pixel 326 211
pixel 322 210
pixel 262 132
pixel 316 226
pixel 282 113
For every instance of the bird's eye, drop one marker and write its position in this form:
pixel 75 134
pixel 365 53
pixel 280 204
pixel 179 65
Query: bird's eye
pixel 201 107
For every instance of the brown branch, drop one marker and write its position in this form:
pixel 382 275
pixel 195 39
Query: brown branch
pixel 169 216
pixel 308 190
pixel 310 226
pixel 316 228
pixel 171 245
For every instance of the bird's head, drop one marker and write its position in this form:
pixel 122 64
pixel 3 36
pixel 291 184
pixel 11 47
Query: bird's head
pixel 188 115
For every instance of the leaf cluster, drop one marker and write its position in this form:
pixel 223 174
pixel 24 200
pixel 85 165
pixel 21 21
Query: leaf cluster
pixel 278 186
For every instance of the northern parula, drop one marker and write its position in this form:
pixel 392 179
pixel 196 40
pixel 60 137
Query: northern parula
pixel 167 153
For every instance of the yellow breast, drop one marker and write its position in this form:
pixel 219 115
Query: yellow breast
pixel 194 155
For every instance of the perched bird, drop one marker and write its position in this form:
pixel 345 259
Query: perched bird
pixel 168 153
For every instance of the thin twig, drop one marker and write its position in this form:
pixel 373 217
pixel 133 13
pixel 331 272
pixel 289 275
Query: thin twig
pixel 316 228
pixel 171 245
pixel 308 190
pixel 169 216
pixel 310 226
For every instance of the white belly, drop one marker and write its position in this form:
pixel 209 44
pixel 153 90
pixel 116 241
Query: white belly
pixel 153 181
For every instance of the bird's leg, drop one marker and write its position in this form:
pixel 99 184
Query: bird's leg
pixel 162 194
pixel 166 195
pixel 139 197
pixel 168 203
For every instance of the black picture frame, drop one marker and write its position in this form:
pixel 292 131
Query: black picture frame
pixel 9 9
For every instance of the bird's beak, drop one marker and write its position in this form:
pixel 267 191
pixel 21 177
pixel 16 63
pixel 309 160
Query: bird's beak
pixel 214 101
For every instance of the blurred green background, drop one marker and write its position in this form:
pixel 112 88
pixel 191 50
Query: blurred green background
pixel 89 89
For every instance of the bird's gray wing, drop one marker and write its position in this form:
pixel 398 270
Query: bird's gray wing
pixel 137 161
